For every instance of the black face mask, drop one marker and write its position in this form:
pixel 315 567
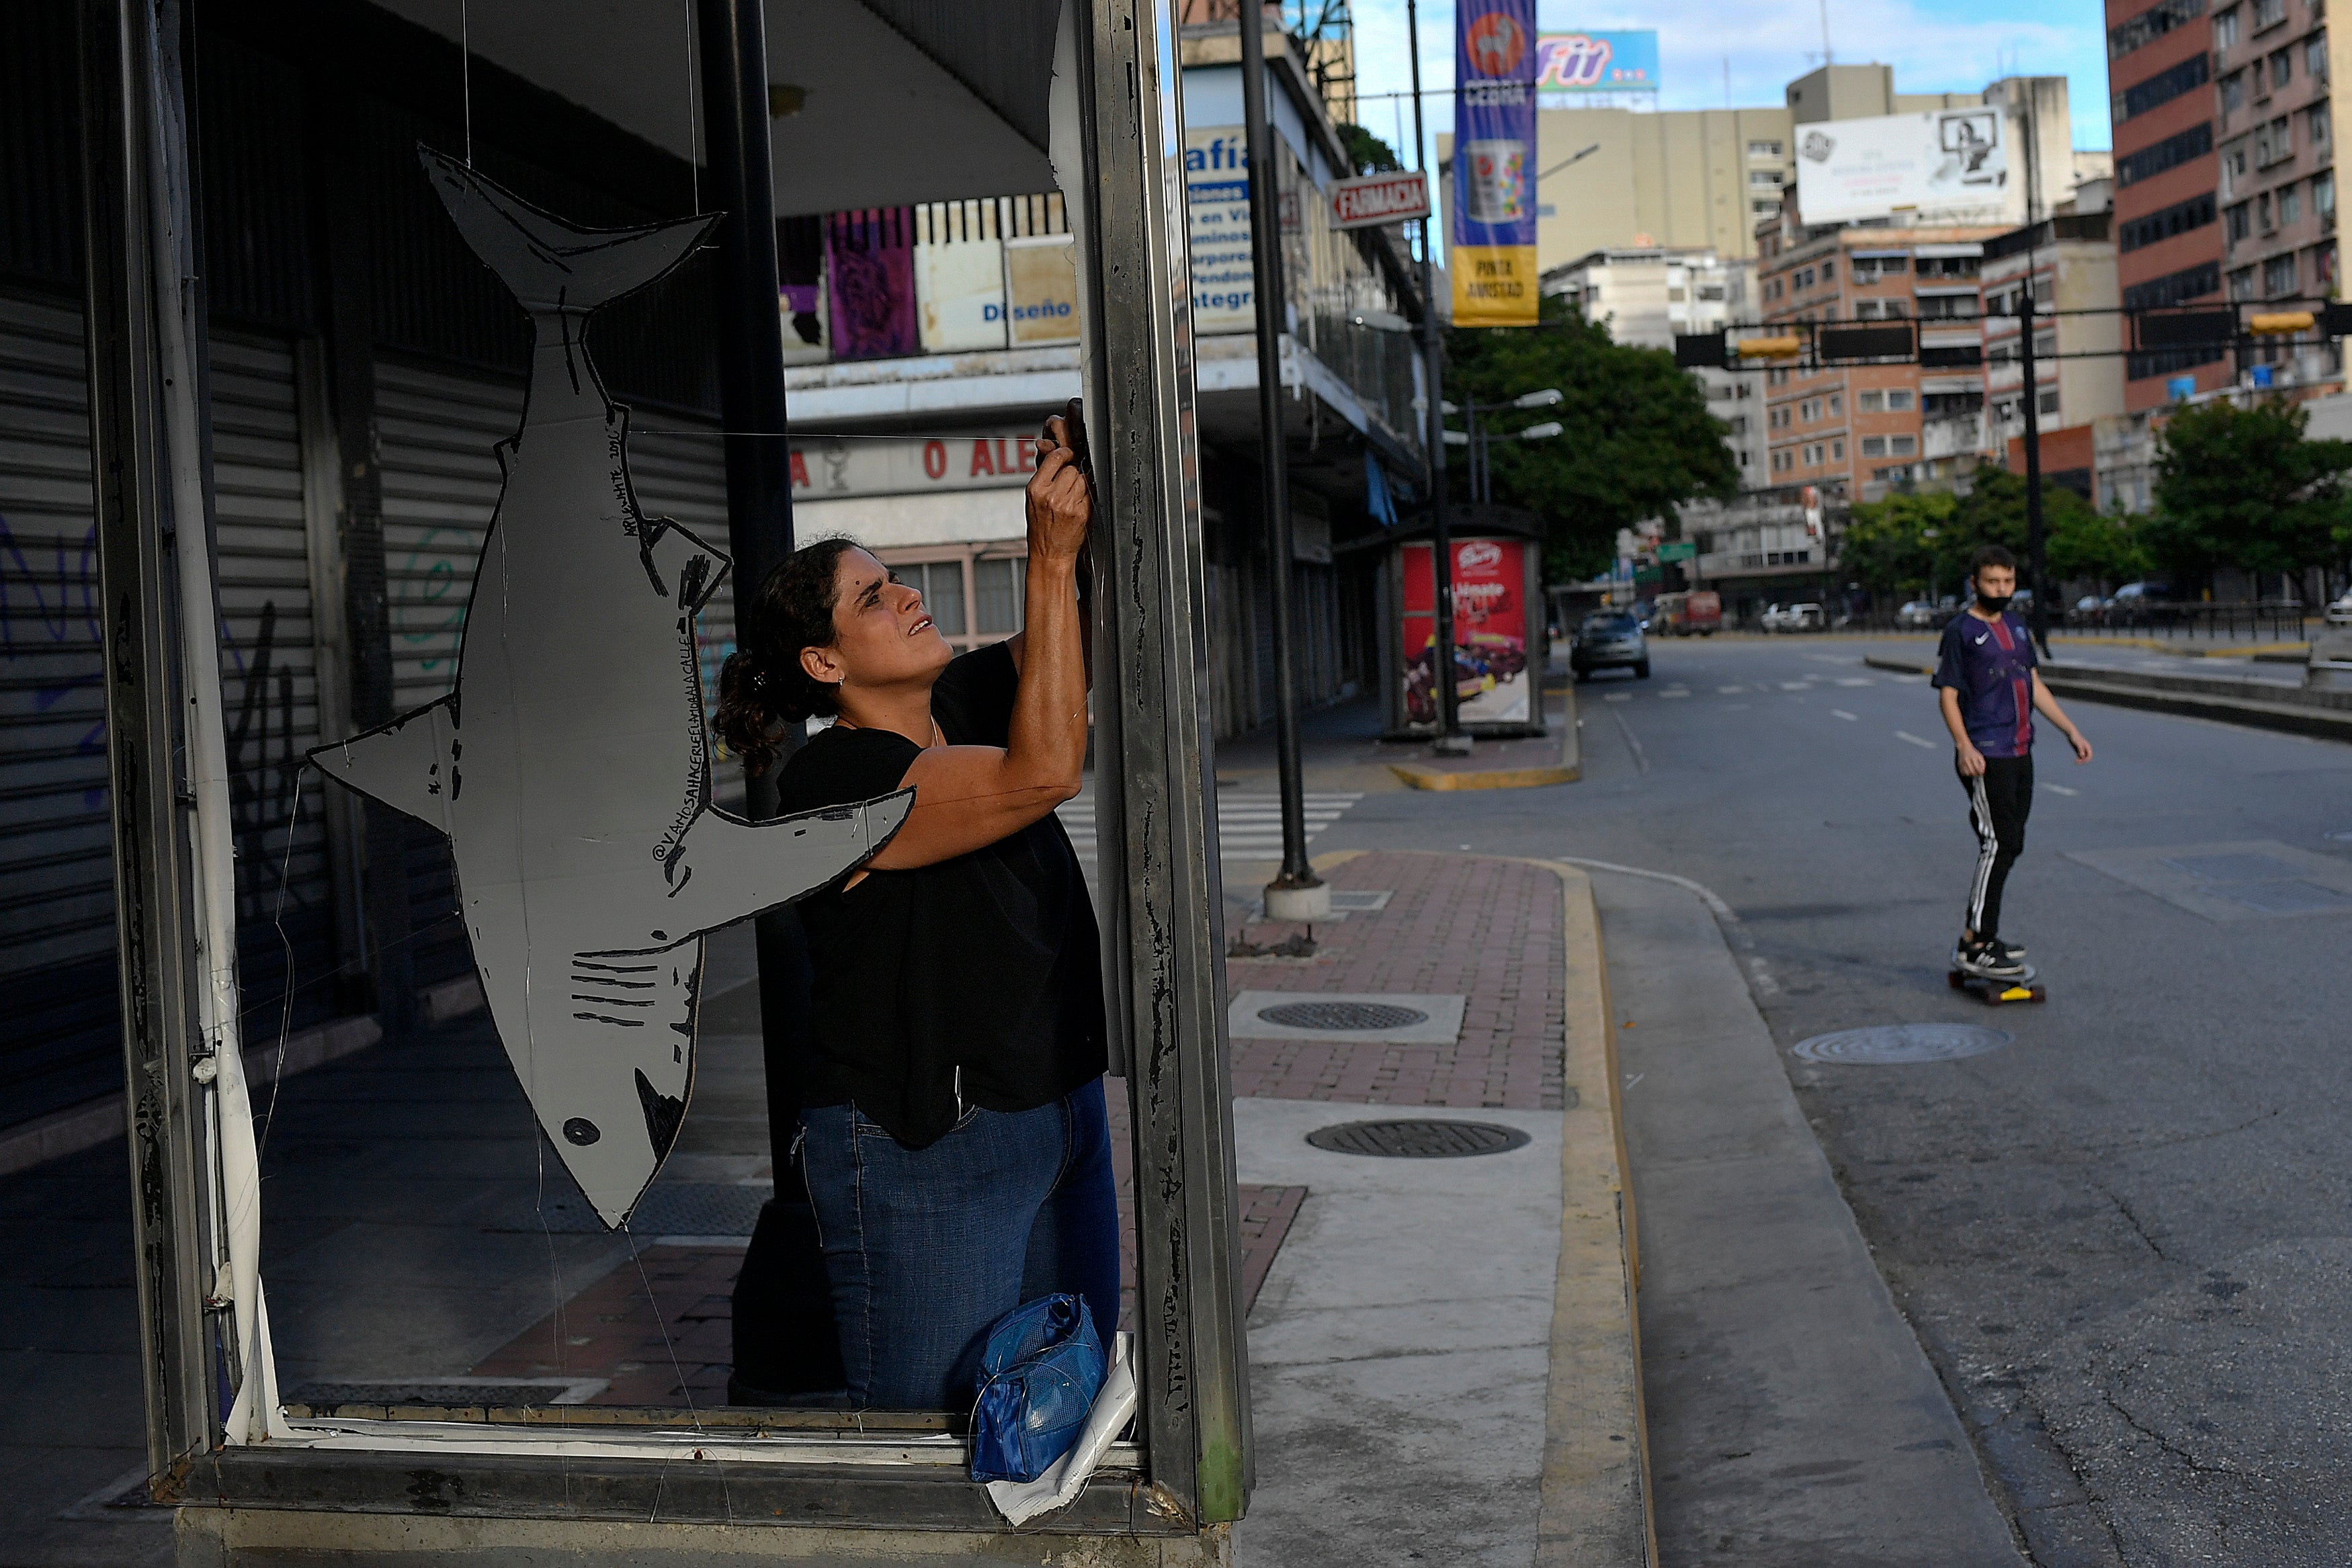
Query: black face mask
pixel 1994 604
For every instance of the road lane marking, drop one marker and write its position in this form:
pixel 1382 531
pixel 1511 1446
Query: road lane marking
pixel 1617 697
pixel 1906 735
pixel 1674 694
pixel 1730 691
pixel 1640 758
pixel 1857 681
pixel 1841 713
pixel 1796 685
pixel 2060 789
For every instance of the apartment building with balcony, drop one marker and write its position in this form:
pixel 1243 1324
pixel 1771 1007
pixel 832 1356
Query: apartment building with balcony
pixel 1646 298
pixel 2277 189
pixel 2069 262
pixel 2166 218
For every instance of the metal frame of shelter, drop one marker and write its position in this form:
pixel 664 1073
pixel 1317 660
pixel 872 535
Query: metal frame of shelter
pixel 1189 1471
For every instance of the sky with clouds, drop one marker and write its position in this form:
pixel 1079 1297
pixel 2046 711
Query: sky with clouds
pixel 1934 46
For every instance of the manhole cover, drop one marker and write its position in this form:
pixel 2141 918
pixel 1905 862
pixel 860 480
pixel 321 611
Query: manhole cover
pixel 1342 1015
pixel 1897 1043
pixel 1417 1139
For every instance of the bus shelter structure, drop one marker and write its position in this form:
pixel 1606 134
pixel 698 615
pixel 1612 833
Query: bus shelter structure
pixel 912 101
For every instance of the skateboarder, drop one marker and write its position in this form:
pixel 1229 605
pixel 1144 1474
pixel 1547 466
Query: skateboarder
pixel 1990 690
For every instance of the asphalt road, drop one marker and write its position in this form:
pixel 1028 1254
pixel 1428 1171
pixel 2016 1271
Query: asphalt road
pixel 2122 1238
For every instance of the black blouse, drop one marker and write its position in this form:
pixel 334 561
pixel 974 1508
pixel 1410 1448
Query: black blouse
pixel 976 981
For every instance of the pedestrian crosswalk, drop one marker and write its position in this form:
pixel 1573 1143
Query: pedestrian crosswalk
pixel 1249 826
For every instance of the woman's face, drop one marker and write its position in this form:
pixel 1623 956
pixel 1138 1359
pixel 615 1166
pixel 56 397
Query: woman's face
pixel 882 635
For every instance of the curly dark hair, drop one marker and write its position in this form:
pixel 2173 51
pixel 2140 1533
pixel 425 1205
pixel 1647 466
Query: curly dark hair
pixel 762 686
pixel 1991 555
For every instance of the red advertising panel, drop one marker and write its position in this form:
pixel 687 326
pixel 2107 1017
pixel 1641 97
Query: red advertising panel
pixel 1491 622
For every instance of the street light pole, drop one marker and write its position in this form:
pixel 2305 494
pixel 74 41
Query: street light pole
pixel 1295 892
pixel 2039 618
pixel 1449 739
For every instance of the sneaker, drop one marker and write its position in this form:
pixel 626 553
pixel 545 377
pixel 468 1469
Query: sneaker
pixel 2008 949
pixel 1987 958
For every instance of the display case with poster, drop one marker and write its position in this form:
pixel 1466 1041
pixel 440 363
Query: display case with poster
pixel 1500 644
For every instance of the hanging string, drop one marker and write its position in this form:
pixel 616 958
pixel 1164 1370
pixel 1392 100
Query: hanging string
pixel 465 75
pixel 693 119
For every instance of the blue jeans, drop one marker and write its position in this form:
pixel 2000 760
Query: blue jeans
pixel 925 1249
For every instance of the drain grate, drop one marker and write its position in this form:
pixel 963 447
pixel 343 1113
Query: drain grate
pixel 1417 1139
pixel 1342 1015
pixel 1898 1044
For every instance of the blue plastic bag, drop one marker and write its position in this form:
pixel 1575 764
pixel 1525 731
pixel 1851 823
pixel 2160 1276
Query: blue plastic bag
pixel 1039 1373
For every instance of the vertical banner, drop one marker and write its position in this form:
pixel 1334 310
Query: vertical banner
pixel 1494 238
pixel 1492 618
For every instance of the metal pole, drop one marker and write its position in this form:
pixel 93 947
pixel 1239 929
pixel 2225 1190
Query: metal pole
pixel 1295 892
pixel 2040 620
pixel 1450 738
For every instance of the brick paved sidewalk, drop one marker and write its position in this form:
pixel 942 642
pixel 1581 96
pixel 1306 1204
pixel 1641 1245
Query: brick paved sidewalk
pixel 1485 928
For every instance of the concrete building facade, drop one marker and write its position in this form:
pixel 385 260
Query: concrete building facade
pixel 2275 122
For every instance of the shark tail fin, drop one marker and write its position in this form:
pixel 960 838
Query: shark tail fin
pixel 411 764
pixel 547 263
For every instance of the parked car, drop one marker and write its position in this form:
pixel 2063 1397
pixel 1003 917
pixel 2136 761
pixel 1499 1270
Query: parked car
pixel 1921 615
pixel 1609 639
pixel 1794 618
pixel 1696 613
pixel 2340 612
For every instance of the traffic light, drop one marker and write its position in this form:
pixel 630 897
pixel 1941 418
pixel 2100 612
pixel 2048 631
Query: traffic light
pixel 1699 351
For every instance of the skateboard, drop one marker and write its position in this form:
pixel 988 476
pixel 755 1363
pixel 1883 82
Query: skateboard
pixel 1994 989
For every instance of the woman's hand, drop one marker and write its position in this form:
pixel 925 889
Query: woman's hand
pixel 1060 503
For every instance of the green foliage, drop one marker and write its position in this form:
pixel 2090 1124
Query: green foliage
pixel 1909 543
pixel 1638 440
pixel 2244 487
pixel 1368 152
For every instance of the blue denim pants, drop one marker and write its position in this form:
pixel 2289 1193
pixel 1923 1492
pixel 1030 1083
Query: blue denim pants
pixel 925 1249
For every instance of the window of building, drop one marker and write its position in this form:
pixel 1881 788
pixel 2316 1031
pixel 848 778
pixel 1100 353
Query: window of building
pixel 2225 29
pixel 2154 23
pixel 1902 445
pixel 1781 461
pixel 2315 56
pixel 1763 209
pixel 2163 87
pixel 1809 410
pixel 2262 222
pixel 1947 306
pixel 2165 222
pixel 1710 291
pixel 1873 446
pixel 1868 402
pixel 2233 92
pixel 2314 124
pixel 2282 67
pixel 1898 400
pixel 2242 284
pixel 2279 275
pixel 1950 265
pixel 2323 268
pixel 1766 177
pixel 2041 295
pixel 1676 296
pixel 1764 150
pixel 2290 204
pixel 2174 288
pixel 1805 277
pixel 2323 195
pixel 1893 309
pixel 2241 221
pixel 1837 451
pixel 1837 405
pixel 1829 270
pixel 2275 142
pixel 1866 310
pixel 2046 343
pixel 1937 405
pixel 2269 14
pixel 2170 154
pixel 2050 403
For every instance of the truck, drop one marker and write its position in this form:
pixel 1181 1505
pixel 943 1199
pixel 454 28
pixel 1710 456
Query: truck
pixel 1697 613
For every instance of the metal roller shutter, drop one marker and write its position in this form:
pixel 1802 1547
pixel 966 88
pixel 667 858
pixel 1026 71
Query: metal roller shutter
pixel 438 430
pixel 269 688
pixel 56 873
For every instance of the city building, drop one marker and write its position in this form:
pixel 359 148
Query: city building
pixel 1648 297
pixel 2168 241
pixel 2274 122
pixel 2071 263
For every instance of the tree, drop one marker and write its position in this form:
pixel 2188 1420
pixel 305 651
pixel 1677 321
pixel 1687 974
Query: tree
pixel 1891 545
pixel 1368 152
pixel 2103 547
pixel 2244 487
pixel 1638 440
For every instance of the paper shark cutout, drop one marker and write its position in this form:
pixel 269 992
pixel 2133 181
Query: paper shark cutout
pixel 571 767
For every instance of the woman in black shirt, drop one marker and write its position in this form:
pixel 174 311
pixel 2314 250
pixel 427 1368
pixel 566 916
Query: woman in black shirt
pixel 953 1140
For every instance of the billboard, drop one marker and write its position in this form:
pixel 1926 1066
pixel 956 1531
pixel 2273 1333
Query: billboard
pixel 1580 65
pixel 1217 225
pixel 1948 163
pixel 1493 237
pixel 1492 620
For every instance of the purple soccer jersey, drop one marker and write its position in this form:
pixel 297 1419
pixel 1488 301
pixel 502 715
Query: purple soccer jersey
pixel 1990 665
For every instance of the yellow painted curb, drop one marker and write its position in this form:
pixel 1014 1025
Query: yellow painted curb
pixel 2159 645
pixel 1568 770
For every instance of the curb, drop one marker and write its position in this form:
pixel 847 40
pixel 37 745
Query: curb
pixel 2321 723
pixel 1569 768
pixel 1596 1498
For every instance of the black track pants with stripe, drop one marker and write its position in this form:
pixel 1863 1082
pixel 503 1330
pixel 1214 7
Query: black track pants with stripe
pixel 1999 803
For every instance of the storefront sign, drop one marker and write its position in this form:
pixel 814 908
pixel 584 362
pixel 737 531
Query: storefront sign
pixel 960 289
pixel 1491 682
pixel 1494 228
pixel 1380 199
pixel 825 470
pixel 1217 221
pixel 1043 296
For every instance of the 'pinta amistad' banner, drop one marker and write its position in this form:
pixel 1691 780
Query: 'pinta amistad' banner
pixel 1493 237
